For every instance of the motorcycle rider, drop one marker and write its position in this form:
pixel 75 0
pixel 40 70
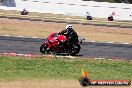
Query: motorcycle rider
pixel 24 12
pixel 68 45
pixel 71 35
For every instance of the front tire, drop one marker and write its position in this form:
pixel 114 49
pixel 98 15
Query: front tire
pixel 43 49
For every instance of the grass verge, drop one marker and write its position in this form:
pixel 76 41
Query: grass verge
pixel 20 68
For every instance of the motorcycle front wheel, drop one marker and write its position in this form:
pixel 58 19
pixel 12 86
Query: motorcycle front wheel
pixel 44 49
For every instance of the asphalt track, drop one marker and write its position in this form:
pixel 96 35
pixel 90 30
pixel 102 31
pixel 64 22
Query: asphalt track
pixel 22 45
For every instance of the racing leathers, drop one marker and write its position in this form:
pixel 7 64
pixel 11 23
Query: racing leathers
pixel 71 35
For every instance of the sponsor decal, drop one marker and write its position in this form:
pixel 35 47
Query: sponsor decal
pixel 85 81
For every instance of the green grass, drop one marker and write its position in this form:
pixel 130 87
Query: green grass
pixel 18 68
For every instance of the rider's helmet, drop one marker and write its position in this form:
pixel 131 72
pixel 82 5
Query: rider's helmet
pixel 24 9
pixel 69 27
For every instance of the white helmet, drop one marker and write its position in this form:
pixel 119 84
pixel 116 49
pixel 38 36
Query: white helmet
pixel 68 26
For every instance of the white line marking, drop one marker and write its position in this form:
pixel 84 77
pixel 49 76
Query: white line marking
pixel 92 41
pixel 20 36
pixel 109 59
pixel 6 35
pixel 109 42
pixel 34 37
pixel 126 43
pixel 19 54
pixel 5 53
pixel 61 56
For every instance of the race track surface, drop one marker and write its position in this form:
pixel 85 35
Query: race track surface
pixel 88 49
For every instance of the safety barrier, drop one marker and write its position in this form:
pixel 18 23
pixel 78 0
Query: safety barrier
pixel 74 7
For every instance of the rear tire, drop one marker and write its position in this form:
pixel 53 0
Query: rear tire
pixel 74 50
pixel 43 49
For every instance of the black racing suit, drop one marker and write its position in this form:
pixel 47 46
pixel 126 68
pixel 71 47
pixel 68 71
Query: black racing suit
pixel 71 35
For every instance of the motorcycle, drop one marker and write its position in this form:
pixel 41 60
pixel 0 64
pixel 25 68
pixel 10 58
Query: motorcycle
pixel 24 13
pixel 57 44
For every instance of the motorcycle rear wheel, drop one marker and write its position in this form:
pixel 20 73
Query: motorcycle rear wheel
pixel 74 50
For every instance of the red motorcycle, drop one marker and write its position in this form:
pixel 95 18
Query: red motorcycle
pixel 57 43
